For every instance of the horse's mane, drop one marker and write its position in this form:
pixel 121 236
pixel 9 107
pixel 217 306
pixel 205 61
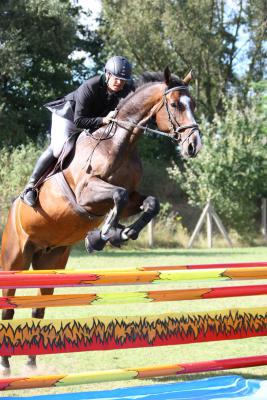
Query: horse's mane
pixel 149 76
pixel 148 79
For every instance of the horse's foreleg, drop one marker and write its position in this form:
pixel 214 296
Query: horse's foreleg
pixel 6 315
pixel 150 208
pixel 99 195
pixel 13 259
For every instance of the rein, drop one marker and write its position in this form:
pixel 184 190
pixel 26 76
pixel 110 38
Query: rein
pixel 175 130
pixel 145 128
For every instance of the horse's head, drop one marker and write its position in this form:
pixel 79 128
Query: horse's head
pixel 177 115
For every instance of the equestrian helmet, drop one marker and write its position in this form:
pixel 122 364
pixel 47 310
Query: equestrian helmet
pixel 119 67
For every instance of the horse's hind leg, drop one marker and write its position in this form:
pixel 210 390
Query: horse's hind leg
pixel 56 259
pixel 13 259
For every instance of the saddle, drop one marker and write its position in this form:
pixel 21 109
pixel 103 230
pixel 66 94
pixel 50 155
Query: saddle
pixel 63 160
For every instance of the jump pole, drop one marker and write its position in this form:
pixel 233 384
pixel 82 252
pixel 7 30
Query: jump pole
pixel 30 382
pixel 95 278
pixel 62 300
pixel 154 268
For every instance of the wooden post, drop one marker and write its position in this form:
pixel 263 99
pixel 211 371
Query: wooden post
pixel 264 218
pixel 221 227
pixel 198 226
pixel 209 225
pixel 210 213
pixel 150 227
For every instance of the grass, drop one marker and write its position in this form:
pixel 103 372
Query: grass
pixel 126 258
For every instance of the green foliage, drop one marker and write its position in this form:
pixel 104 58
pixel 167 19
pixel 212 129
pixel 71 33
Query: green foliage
pixel 231 169
pixel 256 12
pixel 16 166
pixel 203 35
pixel 37 39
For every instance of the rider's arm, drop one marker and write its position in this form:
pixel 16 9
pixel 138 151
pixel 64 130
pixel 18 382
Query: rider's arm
pixel 83 115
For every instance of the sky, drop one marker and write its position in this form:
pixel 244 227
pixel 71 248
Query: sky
pixel 240 62
pixel 93 5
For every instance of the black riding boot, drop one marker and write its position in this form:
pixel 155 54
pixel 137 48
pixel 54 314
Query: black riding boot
pixel 30 193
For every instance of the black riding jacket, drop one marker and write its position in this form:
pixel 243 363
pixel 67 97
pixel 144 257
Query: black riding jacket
pixel 91 102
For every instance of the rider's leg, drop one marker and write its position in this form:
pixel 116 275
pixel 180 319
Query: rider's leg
pixel 30 194
pixel 61 130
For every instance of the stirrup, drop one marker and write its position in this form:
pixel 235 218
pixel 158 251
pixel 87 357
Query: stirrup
pixel 29 196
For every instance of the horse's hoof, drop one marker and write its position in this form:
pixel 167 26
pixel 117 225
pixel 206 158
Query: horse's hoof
pixel 4 371
pixel 5 366
pixel 132 234
pixel 116 239
pixel 30 368
pixel 94 241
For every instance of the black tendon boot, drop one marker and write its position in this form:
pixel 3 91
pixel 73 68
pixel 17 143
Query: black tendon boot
pixel 30 193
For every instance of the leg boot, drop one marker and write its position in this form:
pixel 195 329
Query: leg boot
pixel 30 193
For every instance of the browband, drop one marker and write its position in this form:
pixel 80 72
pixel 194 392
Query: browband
pixel 176 88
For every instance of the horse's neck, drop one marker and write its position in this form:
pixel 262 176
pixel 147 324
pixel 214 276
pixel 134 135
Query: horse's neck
pixel 142 102
pixel 118 145
pixel 138 110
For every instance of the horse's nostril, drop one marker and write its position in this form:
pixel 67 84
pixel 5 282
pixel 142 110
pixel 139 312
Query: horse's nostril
pixel 191 149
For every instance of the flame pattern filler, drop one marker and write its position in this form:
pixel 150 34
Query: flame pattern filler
pixel 34 336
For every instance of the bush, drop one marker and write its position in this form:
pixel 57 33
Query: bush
pixel 231 169
pixel 16 167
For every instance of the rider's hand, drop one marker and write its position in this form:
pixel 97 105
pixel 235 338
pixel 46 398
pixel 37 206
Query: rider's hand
pixel 111 114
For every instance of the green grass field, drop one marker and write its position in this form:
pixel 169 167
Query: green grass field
pixel 81 362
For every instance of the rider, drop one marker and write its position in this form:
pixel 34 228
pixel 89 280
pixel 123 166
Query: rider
pixel 90 106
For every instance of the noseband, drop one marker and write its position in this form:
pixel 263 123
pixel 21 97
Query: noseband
pixel 175 127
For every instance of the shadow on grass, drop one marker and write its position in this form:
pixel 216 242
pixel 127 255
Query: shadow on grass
pixel 192 377
pixel 80 252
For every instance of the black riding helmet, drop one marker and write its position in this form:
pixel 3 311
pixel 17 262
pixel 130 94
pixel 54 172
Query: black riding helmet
pixel 119 67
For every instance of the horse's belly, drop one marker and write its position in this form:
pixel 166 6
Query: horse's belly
pixel 54 222
pixel 127 177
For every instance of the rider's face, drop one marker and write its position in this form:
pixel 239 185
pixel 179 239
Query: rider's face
pixel 115 84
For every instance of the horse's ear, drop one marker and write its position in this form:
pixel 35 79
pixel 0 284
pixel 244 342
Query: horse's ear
pixel 188 77
pixel 167 75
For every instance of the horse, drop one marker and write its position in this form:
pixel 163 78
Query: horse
pixel 98 186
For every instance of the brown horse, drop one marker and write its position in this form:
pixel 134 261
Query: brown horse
pixel 98 185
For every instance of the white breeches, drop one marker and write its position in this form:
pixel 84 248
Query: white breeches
pixel 61 130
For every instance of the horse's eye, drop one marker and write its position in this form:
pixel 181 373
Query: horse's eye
pixel 174 105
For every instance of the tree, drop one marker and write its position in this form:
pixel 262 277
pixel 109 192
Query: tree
pixel 203 35
pixel 231 169
pixel 37 39
pixel 256 12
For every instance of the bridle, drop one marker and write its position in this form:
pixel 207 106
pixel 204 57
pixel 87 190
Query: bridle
pixel 175 127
